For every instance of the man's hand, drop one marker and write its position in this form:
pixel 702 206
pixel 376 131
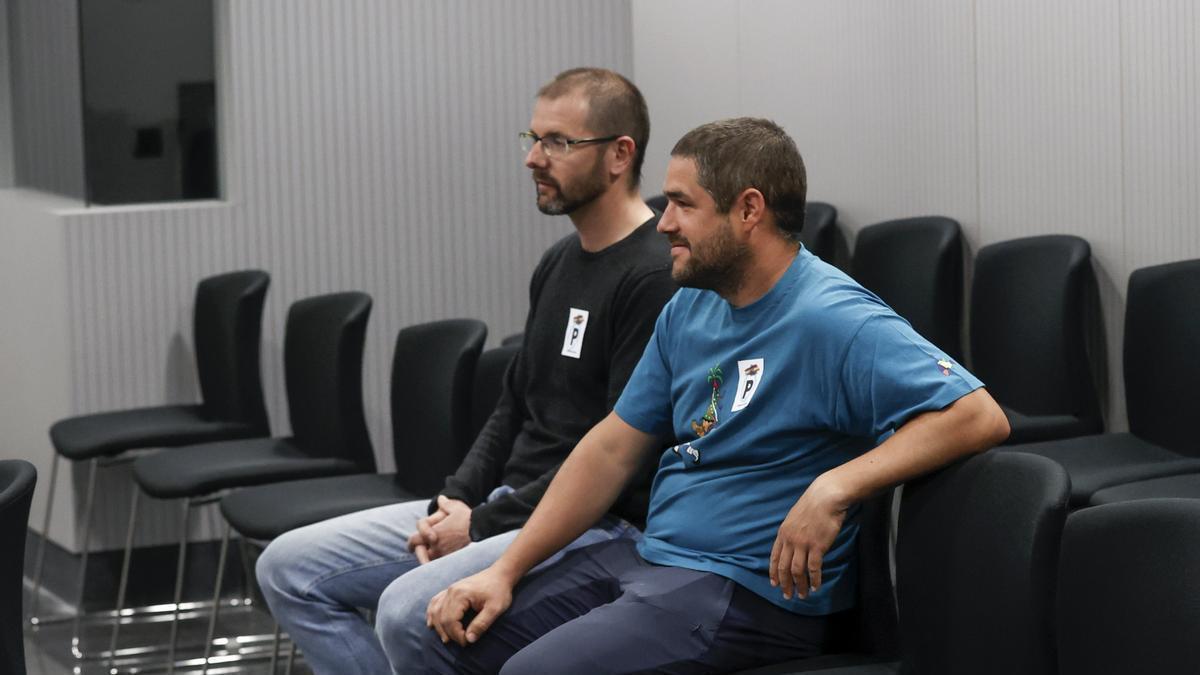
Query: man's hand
pixel 445 531
pixel 488 593
pixel 451 532
pixel 805 536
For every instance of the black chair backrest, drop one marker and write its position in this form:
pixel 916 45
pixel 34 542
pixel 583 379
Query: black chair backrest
pixel 1028 330
pixel 433 374
pixel 17 479
pixel 658 203
pixel 976 562
pixel 1128 592
pixel 1162 354
pixel 227 329
pixel 819 234
pixel 915 266
pixel 322 361
pixel 489 381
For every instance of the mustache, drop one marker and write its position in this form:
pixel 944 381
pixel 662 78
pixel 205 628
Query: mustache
pixel 677 241
pixel 544 178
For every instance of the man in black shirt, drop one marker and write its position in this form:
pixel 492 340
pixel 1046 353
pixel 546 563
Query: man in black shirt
pixel 593 301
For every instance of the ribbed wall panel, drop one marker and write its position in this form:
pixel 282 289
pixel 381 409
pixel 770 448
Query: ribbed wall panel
pixel 879 97
pixel 1161 104
pixel 1049 81
pixel 47 105
pixel 368 144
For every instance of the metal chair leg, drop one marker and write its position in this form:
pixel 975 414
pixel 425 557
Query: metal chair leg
pixel 275 648
pixel 41 553
pixel 291 658
pixel 212 617
pixel 116 628
pixel 179 568
pixel 83 564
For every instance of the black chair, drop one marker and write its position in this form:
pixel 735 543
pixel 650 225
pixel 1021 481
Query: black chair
pixel 819 235
pixel 1162 365
pixel 17 480
pixel 1029 335
pixel 1128 589
pixel 323 354
pixel 915 266
pixel 976 564
pixel 489 379
pixel 431 431
pixel 226 325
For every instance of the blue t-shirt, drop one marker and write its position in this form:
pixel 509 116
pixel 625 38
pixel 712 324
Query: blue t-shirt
pixel 763 399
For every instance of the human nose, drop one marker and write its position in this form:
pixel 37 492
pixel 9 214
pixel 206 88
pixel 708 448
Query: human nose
pixel 666 223
pixel 536 157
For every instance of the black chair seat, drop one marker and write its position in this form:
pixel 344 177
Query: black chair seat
pixel 1096 462
pixel 203 469
pixel 1037 428
pixel 111 433
pixel 842 664
pixel 829 665
pixel 268 511
pixel 1183 486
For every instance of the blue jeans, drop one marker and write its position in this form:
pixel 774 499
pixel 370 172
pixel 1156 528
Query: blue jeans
pixel 316 578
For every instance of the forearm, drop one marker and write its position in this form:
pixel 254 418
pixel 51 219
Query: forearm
pixel 587 484
pixel 972 424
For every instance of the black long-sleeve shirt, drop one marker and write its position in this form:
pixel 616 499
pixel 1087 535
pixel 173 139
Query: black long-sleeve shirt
pixel 550 399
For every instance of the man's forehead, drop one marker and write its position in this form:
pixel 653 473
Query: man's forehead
pixel 562 114
pixel 681 176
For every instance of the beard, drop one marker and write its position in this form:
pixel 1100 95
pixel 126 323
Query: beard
pixel 718 264
pixel 568 198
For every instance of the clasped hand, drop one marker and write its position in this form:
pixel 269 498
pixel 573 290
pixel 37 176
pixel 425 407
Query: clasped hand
pixel 443 532
pixel 804 538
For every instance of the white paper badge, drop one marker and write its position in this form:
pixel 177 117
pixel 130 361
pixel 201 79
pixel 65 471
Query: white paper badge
pixel 576 326
pixel 750 374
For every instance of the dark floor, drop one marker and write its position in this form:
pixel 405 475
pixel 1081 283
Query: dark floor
pixel 48 648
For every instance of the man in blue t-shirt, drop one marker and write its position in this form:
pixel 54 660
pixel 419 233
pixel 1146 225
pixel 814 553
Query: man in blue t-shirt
pixel 793 394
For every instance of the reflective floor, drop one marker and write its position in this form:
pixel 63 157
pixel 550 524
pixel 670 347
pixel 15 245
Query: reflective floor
pixel 141 647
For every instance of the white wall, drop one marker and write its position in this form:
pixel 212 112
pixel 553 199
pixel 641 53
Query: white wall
pixel 1017 117
pixel 368 144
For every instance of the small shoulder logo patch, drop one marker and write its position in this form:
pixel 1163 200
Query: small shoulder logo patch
pixel 946 365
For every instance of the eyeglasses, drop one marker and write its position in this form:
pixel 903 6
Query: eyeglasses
pixel 557 146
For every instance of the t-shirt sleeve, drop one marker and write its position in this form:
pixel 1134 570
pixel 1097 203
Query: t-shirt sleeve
pixel 891 374
pixel 645 404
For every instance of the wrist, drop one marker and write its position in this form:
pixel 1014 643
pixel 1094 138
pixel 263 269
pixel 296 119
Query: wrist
pixel 508 572
pixel 831 488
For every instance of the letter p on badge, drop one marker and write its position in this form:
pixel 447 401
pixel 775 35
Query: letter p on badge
pixel 577 320
pixel 750 374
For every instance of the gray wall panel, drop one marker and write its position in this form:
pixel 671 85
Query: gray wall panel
pixel 47 109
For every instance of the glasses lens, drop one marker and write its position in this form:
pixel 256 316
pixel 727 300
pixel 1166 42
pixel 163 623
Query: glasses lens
pixel 527 141
pixel 556 146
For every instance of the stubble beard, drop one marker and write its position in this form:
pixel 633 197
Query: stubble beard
pixel 567 199
pixel 718 264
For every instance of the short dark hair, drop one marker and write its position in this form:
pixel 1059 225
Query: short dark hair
pixel 615 107
pixel 748 152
